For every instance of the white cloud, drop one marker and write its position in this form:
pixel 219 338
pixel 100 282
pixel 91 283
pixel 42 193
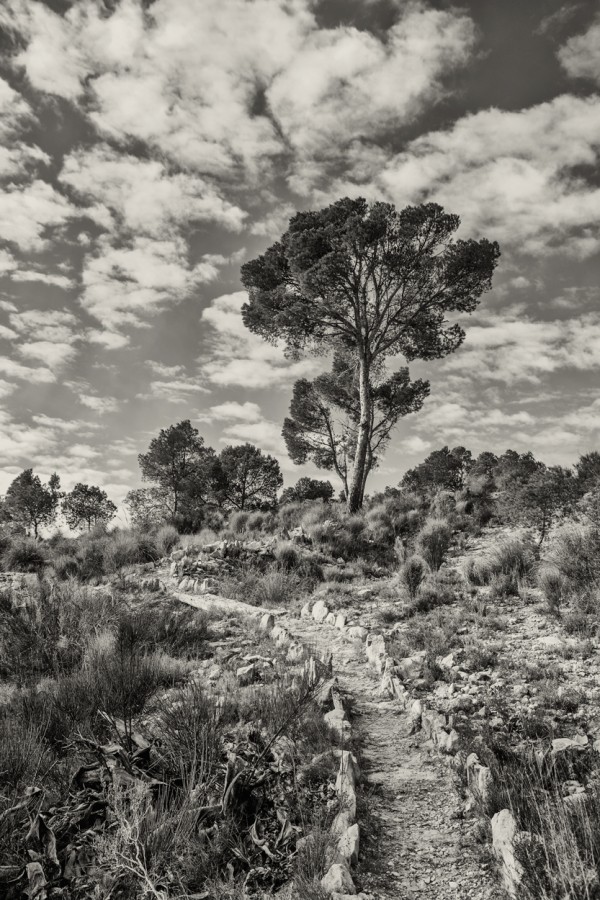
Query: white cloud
pixel 235 356
pixel 126 284
pixel 144 195
pixel 60 281
pixel 54 354
pixel 232 409
pixel 99 405
pixel 580 56
pixel 510 175
pixel 203 82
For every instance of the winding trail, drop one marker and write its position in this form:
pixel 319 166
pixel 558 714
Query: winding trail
pixel 418 845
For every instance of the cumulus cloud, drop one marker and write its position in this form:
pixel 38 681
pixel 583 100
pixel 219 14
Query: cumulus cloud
pixel 513 176
pixel 226 86
pixel 580 56
pixel 235 356
pixel 143 195
pixel 123 285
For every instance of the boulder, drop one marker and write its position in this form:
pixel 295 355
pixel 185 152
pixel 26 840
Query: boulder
pixel 339 724
pixel 562 745
pixel 376 652
pixel 411 667
pixel 348 844
pixel 245 674
pixel 305 611
pixel 338 879
pixel 330 618
pixel 319 611
pixel 340 620
pixel 267 622
pixel 504 832
pixel 357 632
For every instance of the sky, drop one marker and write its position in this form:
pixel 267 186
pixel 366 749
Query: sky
pixel 148 149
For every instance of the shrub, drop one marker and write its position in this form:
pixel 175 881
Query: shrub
pixel 91 561
pixel 412 574
pixel 238 522
pixel 25 555
pixel 65 567
pixel 276 587
pixel 433 592
pixel 575 552
pixel 166 539
pixel 505 567
pixel 287 556
pixel 553 585
pixel 24 758
pixel 433 541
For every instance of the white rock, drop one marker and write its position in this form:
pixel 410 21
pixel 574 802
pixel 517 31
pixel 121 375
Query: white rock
pixel 338 879
pixel 579 742
pixel 411 667
pixel 267 622
pixel 357 631
pixel 330 618
pixel 319 611
pixel 376 652
pixel 504 830
pixel 349 843
pixel 340 620
pixel 339 724
pixel 305 611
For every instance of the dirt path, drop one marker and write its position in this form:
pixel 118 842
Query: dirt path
pixel 418 847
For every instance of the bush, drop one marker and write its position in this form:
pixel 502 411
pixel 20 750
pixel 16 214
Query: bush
pixel 167 538
pixel 553 585
pixel 575 552
pixel 91 561
pixel 65 567
pixel 433 592
pixel 412 574
pixel 433 542
pixel 238 522
pixel 505 567
pixel 287 556
pixel 25 555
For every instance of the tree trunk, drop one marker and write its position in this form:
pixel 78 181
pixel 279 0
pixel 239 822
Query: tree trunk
pixel 357 483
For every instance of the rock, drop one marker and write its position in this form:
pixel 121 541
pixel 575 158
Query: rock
pixel 173 569
pixel 340 620
pixel 357 631
pixel 177 555
pixel 560 745
pixel 295 653
pixel 445 662
pixel 376 652
pixel 245 674
pixel 339 724
pixel 267 622
pixel 448 741
pixel 551 641
pixel 319 611
pixel 415 716
pixel 338 879
pixel 348 770
pixel 479 778
pixel 504 831
pixel 280 635
pixel 411 667
pixel 305 611
pixel 348 844
pixel 330 618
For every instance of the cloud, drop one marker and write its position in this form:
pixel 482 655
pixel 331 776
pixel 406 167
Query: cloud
pixel 235 356
pixel 580 57
pixel 30 213
pixel 227 87
pixel 143 195
pixel 54 354
pixel 123 285
pixel 243 412
pixel 517 177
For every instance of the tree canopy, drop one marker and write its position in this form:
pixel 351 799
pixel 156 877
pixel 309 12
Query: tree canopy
pixel 30 504
pixel 251 478
pixel 370 281
pixel 87 505
pixel 308 489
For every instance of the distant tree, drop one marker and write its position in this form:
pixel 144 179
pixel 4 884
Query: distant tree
pixel 308 489
pixel 538 502
pixel 325 416
pixel 87 505
pixel 148 507
pixel 251 478
pixel 515 468
pixel 372 281
pixel 588 471
pixel 485 464
pixel 181 467
pixel 443 469
pixel 29 504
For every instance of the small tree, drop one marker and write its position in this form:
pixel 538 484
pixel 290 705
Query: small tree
pixel 442 470
pixel 539 502
pixel 181 466
pixel 29 504
pixel 588 471
pixel 251 478
pixel 87 505
pixel 308 489
pixel 372 281
pixel 148 507
pixel 325 416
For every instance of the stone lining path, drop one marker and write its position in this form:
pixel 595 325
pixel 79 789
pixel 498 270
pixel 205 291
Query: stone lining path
pixel 421 845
